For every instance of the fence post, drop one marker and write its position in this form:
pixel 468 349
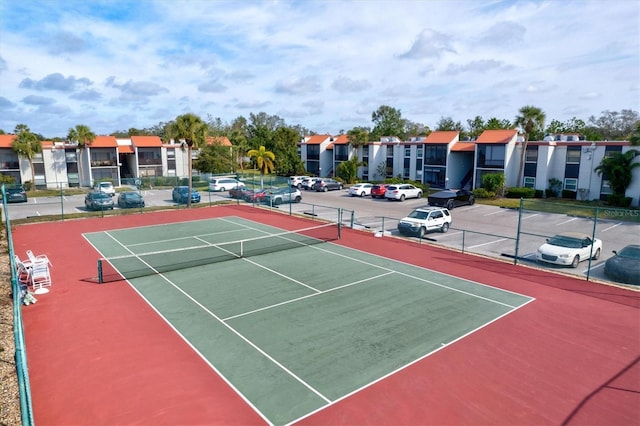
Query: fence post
pixel 61 202
pixel 464 233
pixel 515 258
pixel 593 239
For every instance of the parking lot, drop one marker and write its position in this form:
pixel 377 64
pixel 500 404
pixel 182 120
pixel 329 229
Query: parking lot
pixel 481 229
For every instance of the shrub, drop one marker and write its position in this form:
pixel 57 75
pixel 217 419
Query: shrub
pixel 483 193
pixel 520 192
pixel 555 185
pixel 619 200
pixel 539 193
pixel 493 182
pixel 571 195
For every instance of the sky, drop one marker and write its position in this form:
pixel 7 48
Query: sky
pixel 325 65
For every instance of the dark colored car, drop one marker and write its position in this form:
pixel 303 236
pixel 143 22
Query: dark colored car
pixel 325 185
pixel 16 194
pixel 239 192
pixel 451 198
pixel 130 199
pixel 180 194
pixel 624 267
pixel 378 191
pixel 97 200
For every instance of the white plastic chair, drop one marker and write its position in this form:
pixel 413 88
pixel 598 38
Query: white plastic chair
pixel 24 274
pixel 33 258
pixel 40 277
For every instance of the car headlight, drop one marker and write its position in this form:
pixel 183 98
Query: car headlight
pixel 564 255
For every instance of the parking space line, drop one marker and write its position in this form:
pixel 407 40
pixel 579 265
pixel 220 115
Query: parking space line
pixel 530 216
pixel 485 244
pixel 593 267
pixel 611 227
pixel 451 234
pixel 497 212
pixel 566 221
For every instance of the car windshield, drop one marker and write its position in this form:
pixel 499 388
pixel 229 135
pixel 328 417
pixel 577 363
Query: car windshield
pixel 418 214
pixel 565 241
pixel 99 195
pixel 630 252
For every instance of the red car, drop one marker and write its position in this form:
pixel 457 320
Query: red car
pixel 378 191
pixel 257 196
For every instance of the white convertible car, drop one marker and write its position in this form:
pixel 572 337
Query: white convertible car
pixel 569 249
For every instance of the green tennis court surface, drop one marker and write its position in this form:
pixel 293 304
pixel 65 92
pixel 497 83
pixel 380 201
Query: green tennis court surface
pixel 297 329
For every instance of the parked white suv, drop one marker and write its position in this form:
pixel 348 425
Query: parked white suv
pixel 296 181
pixel 425 219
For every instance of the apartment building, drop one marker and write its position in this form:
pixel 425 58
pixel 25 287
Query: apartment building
pixel 442 160
pixel 63 164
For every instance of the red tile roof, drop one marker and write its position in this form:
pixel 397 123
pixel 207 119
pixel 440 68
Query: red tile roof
pixel 317 139
pixel 6 141
pixel 497 136
pixel 104 142
pixel 219 140
pixel 341 139
pixel 464 147
pixel 146 141
pixel 126 149
pixel 442 136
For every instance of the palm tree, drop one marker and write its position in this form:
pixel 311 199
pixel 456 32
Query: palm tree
pixel 84 137
pixel 531 119
pixel 190 128
pixel 27 144
pixel 617 169
pixel 264 159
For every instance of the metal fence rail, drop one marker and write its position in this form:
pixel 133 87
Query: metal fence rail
pixel 22 370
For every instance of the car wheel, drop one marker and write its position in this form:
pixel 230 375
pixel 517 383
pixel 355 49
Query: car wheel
pixel 445 227
pixel 298 199
pixel 340 187
pixel 472 200
pixel 362 194
pixel 450 204
pixel 419 194
pixel 277 201
pixel 402 197
pixel 325 189
pixel 596 255
pixel 576 261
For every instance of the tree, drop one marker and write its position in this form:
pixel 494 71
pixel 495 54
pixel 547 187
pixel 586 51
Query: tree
pixel 613 125
pixel 284 144
pixel 388 121
pixel 264 160
pixel 348 170
pixel 214 158
pixel 27 144
pixel 617 169
pixel 83 136
pixel 193 131
pixel 447 124
pixel 635 135
pixel 530 120
pixel 358 136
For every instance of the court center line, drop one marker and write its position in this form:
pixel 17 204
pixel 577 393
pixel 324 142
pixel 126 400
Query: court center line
pixel 233 330
pixel 307 296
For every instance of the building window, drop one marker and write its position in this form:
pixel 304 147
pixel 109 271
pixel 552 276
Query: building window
pixel 571 184
pixel 491 156
pixel 436 155
pixel 407 150
pixel 313 152
pixel 419 151
pixel 532 154
pixel 573 154
pixel 389 150
pixel 529 182
pixel 406 168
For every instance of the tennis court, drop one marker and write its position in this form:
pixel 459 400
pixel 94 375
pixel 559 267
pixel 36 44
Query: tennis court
pixel 292 321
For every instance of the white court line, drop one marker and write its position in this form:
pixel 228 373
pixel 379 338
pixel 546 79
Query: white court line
pixel 486 244
pixel 566 221
pixel 611 227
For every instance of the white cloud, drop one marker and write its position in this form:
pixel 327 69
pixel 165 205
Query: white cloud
pixel 324 65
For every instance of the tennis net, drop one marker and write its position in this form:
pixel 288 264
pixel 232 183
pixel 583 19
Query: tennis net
pixel 142 264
